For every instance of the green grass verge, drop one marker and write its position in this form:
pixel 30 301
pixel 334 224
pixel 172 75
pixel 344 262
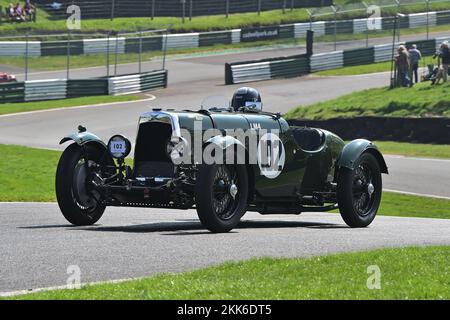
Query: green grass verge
pixel 421 100
pixel 6 108
pixel 406 273
pixel 204 23
pixel 28 174
pixel 402 205
pixel 414 149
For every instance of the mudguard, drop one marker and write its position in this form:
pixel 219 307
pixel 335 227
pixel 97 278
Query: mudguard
pixel 353 150
pixel 225 141
pixel 82 138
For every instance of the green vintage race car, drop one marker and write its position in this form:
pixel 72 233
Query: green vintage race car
pixel 222 161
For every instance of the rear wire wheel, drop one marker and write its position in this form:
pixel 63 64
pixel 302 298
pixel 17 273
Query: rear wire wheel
pixel 221 194
pixel 359 191
pixel 80 204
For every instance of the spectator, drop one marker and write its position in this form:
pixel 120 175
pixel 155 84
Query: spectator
pixel 11 12
pixel 20 14
pixel 414 58
pixel 29 9
pixel 402 64
pixel 444 56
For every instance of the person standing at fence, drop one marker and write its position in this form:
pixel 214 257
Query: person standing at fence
pixel 444 56
pixel 402 65
pixel 414 58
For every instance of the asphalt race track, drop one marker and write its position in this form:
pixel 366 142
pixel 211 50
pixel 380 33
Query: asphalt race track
pixel 38 245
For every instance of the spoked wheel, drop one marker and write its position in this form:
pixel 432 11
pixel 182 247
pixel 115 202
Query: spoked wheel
pixel 359 191
pixel 221 196
pixel 79 202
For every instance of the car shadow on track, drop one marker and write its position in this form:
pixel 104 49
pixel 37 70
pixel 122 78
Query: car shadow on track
pixel 193 227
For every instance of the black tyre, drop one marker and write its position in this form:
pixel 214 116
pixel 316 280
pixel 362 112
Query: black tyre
pixel 221 194
pixel 78 202
pixel 359 191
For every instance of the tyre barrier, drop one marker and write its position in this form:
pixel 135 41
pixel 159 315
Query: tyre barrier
pixel 419 130
pixel 257 70
pixel 55 89
pixel 194 40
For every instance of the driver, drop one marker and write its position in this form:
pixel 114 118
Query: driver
pixel 244 97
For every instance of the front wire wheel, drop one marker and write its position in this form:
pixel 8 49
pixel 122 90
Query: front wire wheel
pixel 80 204
pixel 359 191
pixel 221 196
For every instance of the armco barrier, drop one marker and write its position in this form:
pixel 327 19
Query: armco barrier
pixel 267 69
pixel 19 48
pixel 181 41
pixel 12 92
pixel 62 88
pixel 154 80
pixel 135 83
pixel 326 61
pixel 45 89
pixel 421 130
pixel 358 57
pixel 135 45
pixel 194 40
pixel 124 84
pixel 87 87
pixel 292 66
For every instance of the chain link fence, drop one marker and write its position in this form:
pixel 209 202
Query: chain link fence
pixel 121 53
pixel 171 8
pixel 375 18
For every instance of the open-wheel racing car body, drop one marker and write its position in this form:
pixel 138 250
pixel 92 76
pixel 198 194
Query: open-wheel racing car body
pixel 198 159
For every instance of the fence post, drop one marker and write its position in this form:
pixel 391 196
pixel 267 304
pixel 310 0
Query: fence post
pixel 428 19
pixel 165 50
pixel 68 56
pixel 183 9
pixel 399 19
pixel 107 54
pixel 1 14
pixel 292 5
pixel 140 52
pixel 113 5
pixel 116 55
pixel 26 56
pixel 190 10
pixel 153 9
pixel 284 6
pixel 227 8
pixel 335 27
pixel 258 7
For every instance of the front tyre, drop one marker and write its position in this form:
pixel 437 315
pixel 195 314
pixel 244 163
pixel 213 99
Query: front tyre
pixel 359 191
pixel 79 204
pixel 221 194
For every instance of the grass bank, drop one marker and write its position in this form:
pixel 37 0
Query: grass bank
pixel 203 23
pixel 17 107
pixel 421 100
pixel 406 273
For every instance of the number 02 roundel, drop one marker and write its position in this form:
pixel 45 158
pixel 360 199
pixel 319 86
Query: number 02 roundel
pixel 271 155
